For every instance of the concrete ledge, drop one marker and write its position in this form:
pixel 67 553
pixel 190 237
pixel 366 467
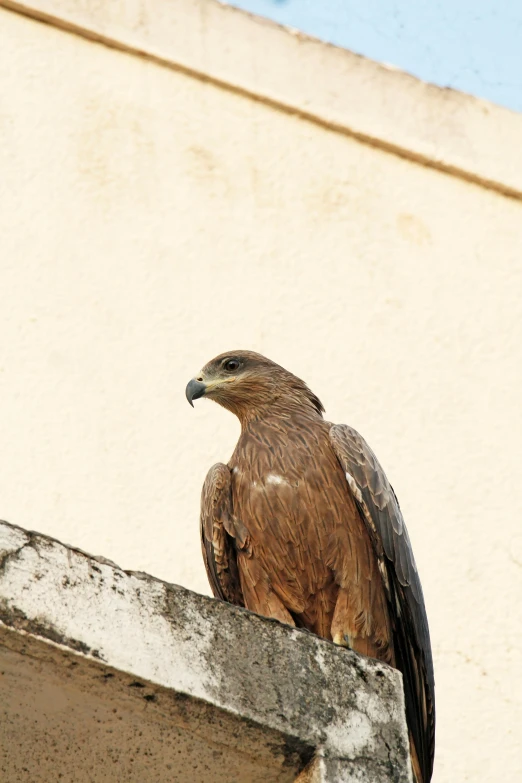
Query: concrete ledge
pixel 98 664
pixel 347 93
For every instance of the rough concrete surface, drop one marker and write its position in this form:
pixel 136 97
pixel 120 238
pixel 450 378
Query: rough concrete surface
pixel 112 675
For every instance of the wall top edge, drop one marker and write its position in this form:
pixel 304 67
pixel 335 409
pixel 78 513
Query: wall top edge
pixel 345 92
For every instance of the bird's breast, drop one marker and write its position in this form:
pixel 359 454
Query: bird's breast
pixel 287 482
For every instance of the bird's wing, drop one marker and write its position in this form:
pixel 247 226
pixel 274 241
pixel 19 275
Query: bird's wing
pixel 217 536
pixel 380 509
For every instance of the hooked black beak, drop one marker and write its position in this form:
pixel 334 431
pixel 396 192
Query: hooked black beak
pixel 195 389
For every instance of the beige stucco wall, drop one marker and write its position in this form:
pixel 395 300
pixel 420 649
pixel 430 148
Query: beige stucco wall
pixel 151 218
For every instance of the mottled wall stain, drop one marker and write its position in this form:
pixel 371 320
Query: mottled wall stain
pixel 115 153
pixel 413 229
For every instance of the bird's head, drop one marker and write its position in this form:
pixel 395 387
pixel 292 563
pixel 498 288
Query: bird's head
pixel 251 386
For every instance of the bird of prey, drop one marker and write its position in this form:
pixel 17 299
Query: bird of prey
pixel 302 525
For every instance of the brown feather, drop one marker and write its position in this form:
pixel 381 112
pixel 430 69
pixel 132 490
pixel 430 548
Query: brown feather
pixel 219 553
pixel 303 526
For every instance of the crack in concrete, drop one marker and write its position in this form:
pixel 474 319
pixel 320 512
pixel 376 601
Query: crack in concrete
pixel 13 617
pixel 14 554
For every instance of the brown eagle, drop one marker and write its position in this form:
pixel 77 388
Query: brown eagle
pixel 302 525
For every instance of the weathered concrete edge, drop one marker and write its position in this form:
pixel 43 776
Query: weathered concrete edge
pixel 337 89
pixel 285 679
pixel 167 708
pixel 331 770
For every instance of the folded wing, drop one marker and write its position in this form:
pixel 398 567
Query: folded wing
pixel 380 509
pixel 217 543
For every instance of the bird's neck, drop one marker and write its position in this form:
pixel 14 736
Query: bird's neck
pixel 286 414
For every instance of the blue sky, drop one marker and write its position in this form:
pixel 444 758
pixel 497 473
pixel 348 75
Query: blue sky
pixel 474 46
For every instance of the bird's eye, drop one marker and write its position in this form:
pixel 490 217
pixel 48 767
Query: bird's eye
pixel 231 365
